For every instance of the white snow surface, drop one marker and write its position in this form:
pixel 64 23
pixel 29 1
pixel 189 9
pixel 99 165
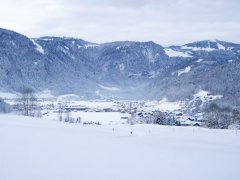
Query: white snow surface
pixel 109 88
pixel 162 105
pixel 221 47
pixel 153 74
pixel 38 47
pixel 206 96
pixel 41 149
pixel 66 47
pixel 93 104
pixel 172 53
pixel 45 94
pixel 46 39
pixel 86 46
pixel 199 60
pixel 90 46
pixel 198 48
pixel 184 71
pixel 8 95
pixel 67 96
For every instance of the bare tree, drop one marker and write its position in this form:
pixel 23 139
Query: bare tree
pixel 79 120
pixel 60 111
pixel 27 102
pixel 67 116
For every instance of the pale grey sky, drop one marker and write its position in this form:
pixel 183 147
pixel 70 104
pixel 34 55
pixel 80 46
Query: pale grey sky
pixel 166 22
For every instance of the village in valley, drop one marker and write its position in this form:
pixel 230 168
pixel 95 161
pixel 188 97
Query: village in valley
pixel 73 109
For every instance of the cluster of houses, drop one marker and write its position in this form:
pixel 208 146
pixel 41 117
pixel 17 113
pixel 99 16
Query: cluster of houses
pixel 138 110
pixel 125 107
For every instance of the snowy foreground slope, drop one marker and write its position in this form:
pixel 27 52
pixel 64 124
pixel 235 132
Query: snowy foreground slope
pixel 38 149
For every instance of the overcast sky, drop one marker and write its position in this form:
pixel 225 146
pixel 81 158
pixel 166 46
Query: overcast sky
pixel 166 22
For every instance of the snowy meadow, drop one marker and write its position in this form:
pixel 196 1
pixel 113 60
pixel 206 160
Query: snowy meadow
pixel 34 148
pixel 104 146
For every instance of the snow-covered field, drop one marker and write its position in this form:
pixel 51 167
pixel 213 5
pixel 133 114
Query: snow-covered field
pixel 108 118
pixel 43 149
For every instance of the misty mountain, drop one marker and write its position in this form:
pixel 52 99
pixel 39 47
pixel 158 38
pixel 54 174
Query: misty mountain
pixel 140 70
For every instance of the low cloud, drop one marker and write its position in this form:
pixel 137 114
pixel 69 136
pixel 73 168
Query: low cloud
pixel 165 22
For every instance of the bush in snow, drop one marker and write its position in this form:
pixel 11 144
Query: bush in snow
pixel 79 120
pixel 75 120
pixel 91 123
pixel 70 119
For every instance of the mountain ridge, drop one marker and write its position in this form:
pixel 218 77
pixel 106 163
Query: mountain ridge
pixel 139 70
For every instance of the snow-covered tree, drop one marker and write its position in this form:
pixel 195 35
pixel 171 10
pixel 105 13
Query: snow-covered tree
pixel 156 117
pixel 221 118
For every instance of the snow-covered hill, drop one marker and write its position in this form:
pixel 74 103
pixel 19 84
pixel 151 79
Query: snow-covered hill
pixel 42 149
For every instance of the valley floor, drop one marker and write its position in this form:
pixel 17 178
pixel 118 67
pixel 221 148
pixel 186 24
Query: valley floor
pixel 43 149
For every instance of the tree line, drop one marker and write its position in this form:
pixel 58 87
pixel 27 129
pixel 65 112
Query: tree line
pixel 221 117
